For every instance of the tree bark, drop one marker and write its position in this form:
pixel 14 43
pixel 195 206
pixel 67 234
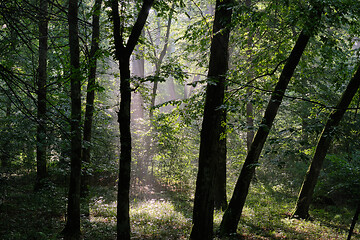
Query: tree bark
pixel 90 95
pixel 211 126
pixel 122 54
pixel 249 106
pixel 41 145
pixel 308 186
pixel 72 227
pixel 233 212
pixel 220 199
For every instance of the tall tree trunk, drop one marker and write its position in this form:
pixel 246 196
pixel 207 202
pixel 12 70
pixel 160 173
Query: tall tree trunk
pixel 220 199
pixel 249 106
pixel 233 212
pixel 308 186
pixel 353 222
pixel 72 227
pixel 41 145
pixel 122 54
pixel 211 126
pixel 90 95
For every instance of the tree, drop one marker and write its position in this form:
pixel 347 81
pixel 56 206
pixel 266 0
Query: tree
pixel 220 199
pixel 159 60
pixel 122 54
pixel 90 93
pixel 211 126
pixel 233 212
pixel 308 186
pixel 72 227
pixel 353 222
pixel 41 147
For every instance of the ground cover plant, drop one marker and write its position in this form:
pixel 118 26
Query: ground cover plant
pixel 159 212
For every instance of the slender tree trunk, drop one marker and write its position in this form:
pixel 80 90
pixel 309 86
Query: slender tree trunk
pixel 249 122
pixel 122 54
pixel 233 212
pixel 353 222
pixel 41 145
pixel 249 106
pixel 211 126
pixel 90 95
pixel 159 62
pixel 72 227
pixel 308 186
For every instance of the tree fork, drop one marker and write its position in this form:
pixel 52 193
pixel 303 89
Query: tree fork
pixel 122 54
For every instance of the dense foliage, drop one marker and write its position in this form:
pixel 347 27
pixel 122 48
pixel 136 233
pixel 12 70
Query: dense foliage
pixel 173 55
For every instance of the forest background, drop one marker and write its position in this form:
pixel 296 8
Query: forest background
pixel 190 92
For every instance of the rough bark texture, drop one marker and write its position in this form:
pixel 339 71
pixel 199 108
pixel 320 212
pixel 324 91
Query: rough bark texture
pixel 308 186
pixel 233 212
pixel 41 171
pixel 122 54
pixel 90 95
pixel 211 126
pixel 72 227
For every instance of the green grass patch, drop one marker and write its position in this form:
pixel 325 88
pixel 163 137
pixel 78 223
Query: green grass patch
pixel 160 212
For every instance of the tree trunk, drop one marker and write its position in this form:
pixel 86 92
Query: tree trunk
pixel 90 95
pixel 122 54
pixel 6 149
pixel 72 227
pixel 220 199
pixel 233 212
pixel 159 62
pixel 353 222
pixel 249 105
pixel 211 126
pixel 308 186
pixel 41 145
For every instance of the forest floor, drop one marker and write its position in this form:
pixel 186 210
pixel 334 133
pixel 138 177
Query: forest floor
pixel 157 212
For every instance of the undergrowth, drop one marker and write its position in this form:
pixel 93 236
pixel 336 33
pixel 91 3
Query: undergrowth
pixel 159 212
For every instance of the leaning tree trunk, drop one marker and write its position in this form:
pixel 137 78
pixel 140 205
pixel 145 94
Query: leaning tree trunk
pixel 353 222
pixel 72 227
pixel 211 126
pixel 41 171
pixel 308 186
pixel 122 54
pixel 233 212
pixel 90 95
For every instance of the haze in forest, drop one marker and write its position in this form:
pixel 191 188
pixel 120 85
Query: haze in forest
pixel 217 119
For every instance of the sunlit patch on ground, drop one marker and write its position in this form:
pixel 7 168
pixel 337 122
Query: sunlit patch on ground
pixel 158 219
